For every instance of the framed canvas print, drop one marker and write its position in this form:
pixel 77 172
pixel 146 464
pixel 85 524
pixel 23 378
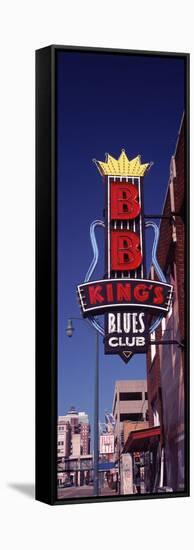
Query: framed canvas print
pixel 112 274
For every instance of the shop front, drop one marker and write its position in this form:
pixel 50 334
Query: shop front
pixel 144 448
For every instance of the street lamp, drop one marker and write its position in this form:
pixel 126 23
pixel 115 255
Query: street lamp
pixel 69 332
pixel 70 328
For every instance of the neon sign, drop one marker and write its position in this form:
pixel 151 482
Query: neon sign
pixel 124 295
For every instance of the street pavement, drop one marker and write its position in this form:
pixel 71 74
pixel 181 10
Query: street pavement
pixel 83 491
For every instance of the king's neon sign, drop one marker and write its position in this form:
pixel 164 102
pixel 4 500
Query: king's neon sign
pixel 124 295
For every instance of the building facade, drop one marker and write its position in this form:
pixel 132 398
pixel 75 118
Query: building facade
pixel 84 432
pixel 129 427
pixel 77 442
pixel 76 445
pixel 76 470
pixel 165 363
pixel 130 404
pixel 63 438
pixel 73 448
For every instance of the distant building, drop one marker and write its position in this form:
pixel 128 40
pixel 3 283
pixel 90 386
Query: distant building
pixel 85 432
pixel 63 438
pixel 72 418
pixel 73 434
pixel 76 445
pixel 78 470
pixel 130 404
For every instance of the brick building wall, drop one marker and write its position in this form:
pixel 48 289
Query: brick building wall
pixel 170 250
pixel 179 194
pixel 165 364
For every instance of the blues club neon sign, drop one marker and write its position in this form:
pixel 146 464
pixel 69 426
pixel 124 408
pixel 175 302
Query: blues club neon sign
pixel 125 296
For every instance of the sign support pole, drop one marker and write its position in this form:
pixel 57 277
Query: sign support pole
pixel 96 421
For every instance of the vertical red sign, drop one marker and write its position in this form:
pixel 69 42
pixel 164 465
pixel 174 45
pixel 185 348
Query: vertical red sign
pixel 125 247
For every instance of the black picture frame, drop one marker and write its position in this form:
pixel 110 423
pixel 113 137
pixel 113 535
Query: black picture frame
pixel 46 276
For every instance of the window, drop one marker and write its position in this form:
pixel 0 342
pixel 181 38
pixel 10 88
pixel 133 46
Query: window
pixel 156 416
pixel 146 395
pixel 153 346
pixel 122 437
pixel 130 396
pixel 172 201
pixel 163 325
pixel 171 279
pixel 136 417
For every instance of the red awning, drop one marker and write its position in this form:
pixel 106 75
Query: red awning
pixel 142 440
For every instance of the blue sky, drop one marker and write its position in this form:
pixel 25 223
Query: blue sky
pixel 105 102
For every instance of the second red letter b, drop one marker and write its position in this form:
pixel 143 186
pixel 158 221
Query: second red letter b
pixel 125 251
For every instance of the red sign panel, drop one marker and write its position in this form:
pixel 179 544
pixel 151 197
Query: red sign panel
pixel 124 201
pixel 125 251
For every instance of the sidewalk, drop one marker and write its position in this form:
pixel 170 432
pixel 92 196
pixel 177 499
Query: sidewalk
pixel 106 491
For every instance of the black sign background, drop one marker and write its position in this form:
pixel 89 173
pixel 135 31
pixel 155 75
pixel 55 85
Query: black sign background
pixel 101 304
pixel 120 338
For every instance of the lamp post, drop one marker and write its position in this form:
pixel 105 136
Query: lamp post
pixel 69 332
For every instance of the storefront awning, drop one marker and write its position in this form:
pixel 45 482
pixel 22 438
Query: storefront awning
pixel 142 440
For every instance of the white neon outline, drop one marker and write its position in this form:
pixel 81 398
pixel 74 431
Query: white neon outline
pixel 140 225
pixel 129 304
pixel 151 281
pixel 134 229
pixel 109 226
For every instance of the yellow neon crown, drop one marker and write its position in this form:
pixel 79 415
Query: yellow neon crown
pixel 123 166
